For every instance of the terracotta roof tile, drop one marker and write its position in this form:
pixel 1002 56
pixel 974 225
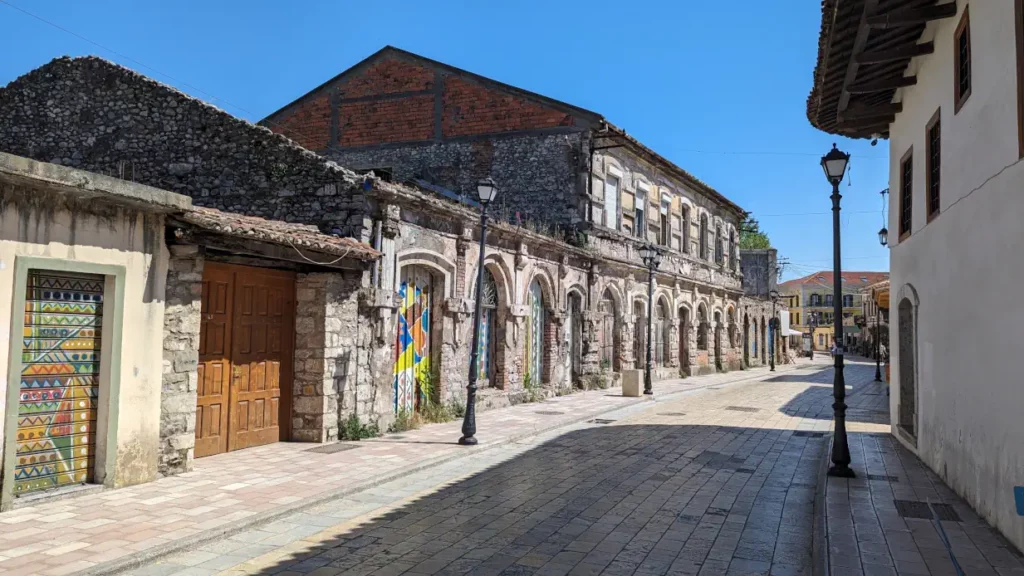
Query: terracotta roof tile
pixel 851 279
pixel 298 236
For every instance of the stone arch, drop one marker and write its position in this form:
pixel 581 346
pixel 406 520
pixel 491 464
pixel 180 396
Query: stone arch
pixel 764 341
pixel 746 339
pixel 719 321
pixel 496 265
pixel 733 327
pixel 907 307
pixel 662 330
pixel 703 321
pixel 547 287
pixel 609 337
pixel 435 261
pixel 616 293
pixel 638 309
pixel 578 289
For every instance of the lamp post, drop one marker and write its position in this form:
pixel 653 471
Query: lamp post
pixel 652 259
pixel 834 163
pixel 486 190
pixel 883 239
pixel 774 295
pixel 812 323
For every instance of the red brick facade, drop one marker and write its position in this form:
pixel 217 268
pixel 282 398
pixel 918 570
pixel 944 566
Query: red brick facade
pixel 389 76
pixel 474 109
pixel 382 121
pixel 309 125
pixel 468 109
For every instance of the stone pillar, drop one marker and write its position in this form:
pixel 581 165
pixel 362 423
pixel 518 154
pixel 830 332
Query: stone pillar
pixel 626 359
pixel 673 342
pixel 182 318
pixel 327 357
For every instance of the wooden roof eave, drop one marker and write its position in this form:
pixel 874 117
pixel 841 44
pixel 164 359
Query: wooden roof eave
pixel 864 49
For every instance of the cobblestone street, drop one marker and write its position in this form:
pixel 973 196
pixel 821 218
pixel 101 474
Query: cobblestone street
pixel 720 481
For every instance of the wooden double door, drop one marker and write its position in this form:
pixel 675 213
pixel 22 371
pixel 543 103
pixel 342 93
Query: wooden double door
pixel 246 348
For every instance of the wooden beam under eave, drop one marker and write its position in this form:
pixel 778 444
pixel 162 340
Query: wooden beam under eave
pixel 892 54
pixel 868 112
pixel 883 85
pixel 859 42
pixel 913 16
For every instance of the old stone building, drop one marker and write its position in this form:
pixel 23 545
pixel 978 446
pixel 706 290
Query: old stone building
pixel 358 288
pixel 563 171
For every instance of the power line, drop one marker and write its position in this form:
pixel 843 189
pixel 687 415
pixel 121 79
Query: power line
pixel 759 216
pixel 772 153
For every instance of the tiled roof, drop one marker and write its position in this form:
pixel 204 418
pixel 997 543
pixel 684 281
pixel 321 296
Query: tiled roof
pixel 298 236
pixel 851 279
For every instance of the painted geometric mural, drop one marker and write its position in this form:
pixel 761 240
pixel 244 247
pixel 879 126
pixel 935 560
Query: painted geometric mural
pixel 412 345
pixel 59 381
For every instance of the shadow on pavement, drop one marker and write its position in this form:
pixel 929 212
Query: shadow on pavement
pixel 866 400
pixel 623 498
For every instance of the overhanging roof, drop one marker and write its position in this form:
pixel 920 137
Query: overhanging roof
pixel 864 48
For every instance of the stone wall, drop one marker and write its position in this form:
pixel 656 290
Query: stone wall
pixel 760 272
pixel 92 114
pixel 536 173
pixel 334 367
pixel 182 318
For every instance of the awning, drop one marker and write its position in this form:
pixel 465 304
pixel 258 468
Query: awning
pixel 794 333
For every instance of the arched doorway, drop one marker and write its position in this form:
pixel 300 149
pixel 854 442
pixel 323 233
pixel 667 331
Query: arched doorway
pixel 608 335
pixel 746 340
pixel 639 334
pixel 486 356
pixel 684 340
pixel 574 336
pixel 718 341
pixel 413 341
pixel 536 326
pixel 764 341
pixel 659 332
pixel 907 329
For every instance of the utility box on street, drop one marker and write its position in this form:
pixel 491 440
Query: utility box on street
pixel 631 382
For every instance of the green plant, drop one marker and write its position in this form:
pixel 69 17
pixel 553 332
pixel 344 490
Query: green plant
pixel 354 429
pixel 532 389
pixel 405 420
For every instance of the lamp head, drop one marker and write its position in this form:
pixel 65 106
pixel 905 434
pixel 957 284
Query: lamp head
pixel 486 189
pixel 834 164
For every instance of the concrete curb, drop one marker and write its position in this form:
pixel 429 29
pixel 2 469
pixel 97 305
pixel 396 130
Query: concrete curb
pixel 138 559
pixel 819 547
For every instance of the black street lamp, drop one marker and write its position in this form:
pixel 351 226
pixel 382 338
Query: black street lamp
pixel 774 295
pixel 486 190
pixel 652 259
pixel 812 323
pixel 883 239
pixel 834 163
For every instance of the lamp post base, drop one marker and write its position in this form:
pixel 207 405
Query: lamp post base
pixel 468 441
pixel 649 392
pixel 841 471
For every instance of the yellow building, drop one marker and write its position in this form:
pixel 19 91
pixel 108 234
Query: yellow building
pixel 810 298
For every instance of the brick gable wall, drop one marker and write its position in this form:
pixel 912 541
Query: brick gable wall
pixel 471 108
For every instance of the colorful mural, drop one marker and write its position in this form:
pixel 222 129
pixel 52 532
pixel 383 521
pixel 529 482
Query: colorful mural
pixel 485 347
pixel 535 333
pixel 59 381
pixel 412 344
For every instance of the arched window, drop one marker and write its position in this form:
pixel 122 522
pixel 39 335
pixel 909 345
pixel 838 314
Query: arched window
pixel 485 348
pixel 703 237
pixel 536 326
pixel 733 257
pixel 686 229
pixel 719 249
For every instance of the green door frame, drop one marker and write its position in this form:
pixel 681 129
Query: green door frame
pixel 110 365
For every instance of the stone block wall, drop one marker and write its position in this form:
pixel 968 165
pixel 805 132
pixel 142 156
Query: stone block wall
pixel 339 367
pixel 182 317
pixel 95 115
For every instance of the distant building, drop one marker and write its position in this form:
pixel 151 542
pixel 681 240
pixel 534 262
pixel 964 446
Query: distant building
pixel 811 297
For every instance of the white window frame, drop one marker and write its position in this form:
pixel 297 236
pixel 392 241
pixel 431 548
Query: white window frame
pixel 612 201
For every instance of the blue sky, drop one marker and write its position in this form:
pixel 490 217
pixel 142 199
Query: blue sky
pixel 718 87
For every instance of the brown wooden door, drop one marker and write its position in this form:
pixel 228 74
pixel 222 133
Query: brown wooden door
pixel 246 348
pixel 261 355
pixel 214 362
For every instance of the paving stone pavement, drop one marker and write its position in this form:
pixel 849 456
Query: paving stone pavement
pixel 721 481
pixel 97 531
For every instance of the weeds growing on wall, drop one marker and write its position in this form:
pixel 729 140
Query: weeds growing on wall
pixel 354 429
